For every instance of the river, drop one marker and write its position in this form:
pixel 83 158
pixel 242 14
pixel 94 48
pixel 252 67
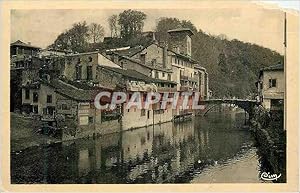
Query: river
pixel 212 149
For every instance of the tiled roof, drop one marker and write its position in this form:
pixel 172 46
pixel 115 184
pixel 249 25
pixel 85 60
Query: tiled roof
pixel 78 94
pixel 184 57
pixel 132 74
pixel 278 66
pixel 181 30
pixel 135 75
pixel 130 52
pixel 148 65
pixel 20 43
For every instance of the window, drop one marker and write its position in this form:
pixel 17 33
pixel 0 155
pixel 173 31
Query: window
pixel 169 76
pixel 78 60
pixel 163 74
pixel 91 119
pixel 50 110
pixel 90 59
pixel 27 94
pixel 272 83
pixel 153 61
pixel 78 72
pixel 156 74
pixel 143 112
pixel 89 73
pixel 65 107
pixel 277 104
pixel 128 110
pixel 35 109
pixel 143 58
pixel 35 97
pixel 49 98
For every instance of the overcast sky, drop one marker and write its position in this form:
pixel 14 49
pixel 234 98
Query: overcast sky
pixel 247 21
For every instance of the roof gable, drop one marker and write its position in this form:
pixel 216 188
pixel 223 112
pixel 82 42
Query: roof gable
pixel 20 43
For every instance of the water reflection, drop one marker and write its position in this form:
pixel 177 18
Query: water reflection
pixel 166 153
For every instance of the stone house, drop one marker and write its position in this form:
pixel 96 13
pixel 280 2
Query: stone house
pixel 171 62
pixel 271 87
pixel 132 81
pixel 20 49
pixel 82 66
pixel 78 117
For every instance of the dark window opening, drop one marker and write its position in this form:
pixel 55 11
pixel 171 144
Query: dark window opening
pixel 143 112
pixel 64 107
pixel 169 76
pixel 143 58
pixel 272 83
pixel 153 62
pixel 91 119
pixel 35 109
pixel 35 97
pixel 156 74
pixel 49 98
pixel 27 94
pixel 50 110
pixel 78 72
pixel 89 72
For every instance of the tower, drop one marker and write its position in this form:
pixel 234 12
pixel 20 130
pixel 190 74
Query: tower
pixel 180 41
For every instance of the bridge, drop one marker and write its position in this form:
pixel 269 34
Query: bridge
pixel 245 104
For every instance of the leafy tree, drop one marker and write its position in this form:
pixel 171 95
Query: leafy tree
pixel 75 38
pixel 168 23
pixel 164 24
pixel 188 24
pixel 131 23
pixel 113 25
pixel 96 32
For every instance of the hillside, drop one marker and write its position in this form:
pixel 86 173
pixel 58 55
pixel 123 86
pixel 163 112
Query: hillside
pixel 233 66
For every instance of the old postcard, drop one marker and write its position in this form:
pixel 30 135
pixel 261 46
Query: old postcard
pixel 176 96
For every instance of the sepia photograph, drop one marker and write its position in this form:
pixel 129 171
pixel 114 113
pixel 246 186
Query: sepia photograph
pixel 151 94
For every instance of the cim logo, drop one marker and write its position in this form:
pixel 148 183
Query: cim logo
pixel 269 177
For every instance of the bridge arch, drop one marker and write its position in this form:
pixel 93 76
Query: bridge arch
pixel 247 105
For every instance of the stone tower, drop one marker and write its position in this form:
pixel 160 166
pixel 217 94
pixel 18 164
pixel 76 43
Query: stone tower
pixel 180 41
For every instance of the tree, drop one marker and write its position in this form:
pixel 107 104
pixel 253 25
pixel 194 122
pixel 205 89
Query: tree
pixel 131 23
pixel 164 25
pixel 168 23
pixel 96 32
pixel 113 25
pixel 188 24
pixel 74 39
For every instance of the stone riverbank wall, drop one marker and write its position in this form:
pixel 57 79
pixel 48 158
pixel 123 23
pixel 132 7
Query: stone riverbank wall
pixel 270 135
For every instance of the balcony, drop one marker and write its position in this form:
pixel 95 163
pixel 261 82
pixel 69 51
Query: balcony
pixel 188 78
pixel 141 86
pixel 187 88
pixel 166 89
pixel 47 117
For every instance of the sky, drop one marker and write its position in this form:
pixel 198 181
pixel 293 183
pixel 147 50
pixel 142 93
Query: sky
pixel 246 21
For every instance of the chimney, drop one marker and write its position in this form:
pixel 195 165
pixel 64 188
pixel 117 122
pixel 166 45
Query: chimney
pixel 165 55
pixel 154 38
